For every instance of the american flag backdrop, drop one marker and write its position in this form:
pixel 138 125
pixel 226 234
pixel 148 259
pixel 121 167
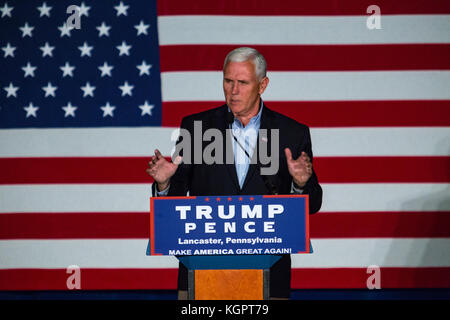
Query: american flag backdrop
pixel 81 111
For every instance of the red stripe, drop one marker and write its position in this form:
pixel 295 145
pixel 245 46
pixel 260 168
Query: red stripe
pixel 130 279
pixel 380 224
pixel 126 225
pixel 296 7
pixel 414 113
pixel 91 279
pixel 313 57
pixel 132 170
pixel 351 278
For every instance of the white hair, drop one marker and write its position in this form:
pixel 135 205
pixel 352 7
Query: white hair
pixel 243 54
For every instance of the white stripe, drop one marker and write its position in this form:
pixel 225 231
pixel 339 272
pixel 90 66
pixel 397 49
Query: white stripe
pixel 422 252
pixel 293 30
pixel 135 197
pixel 315 86
pixel 129 142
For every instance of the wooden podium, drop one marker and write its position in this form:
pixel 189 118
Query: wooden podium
pixel 243 277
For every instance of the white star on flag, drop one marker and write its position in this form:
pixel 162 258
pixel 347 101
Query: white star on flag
pixel 106 69
pixel 108 110
pixel 31 110
pixel 65 30
pixel 69 110
pixel 126 89
pixel 88 90
pixel 146 108
pixel 44 10
pixel 67 70
pixel 142 28
pixel 83 10
pixel 103 30
pixel 124 49
pixel 144 68
pixel 49 90
pixel 85 49
pixel 47 50
pixel 8 50
pixel 29 70
pixel 6 11
pixel 121 9
pixel 11 90
pixel 26 30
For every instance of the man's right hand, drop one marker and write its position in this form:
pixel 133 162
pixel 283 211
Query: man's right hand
pixel 162 170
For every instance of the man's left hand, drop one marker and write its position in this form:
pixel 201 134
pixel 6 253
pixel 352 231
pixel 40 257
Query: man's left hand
pixel 300 169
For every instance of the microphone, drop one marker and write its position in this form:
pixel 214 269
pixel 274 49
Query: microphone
pixel 267 181
pixel 230 117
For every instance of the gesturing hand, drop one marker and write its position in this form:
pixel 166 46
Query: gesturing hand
pixel 162 170
pixel 300 169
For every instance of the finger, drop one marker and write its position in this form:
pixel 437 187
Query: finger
pixel 305 156
pixel 288 154
pixel 158 154
pixel 177 160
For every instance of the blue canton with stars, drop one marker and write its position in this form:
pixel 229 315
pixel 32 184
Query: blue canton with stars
pixel 104 74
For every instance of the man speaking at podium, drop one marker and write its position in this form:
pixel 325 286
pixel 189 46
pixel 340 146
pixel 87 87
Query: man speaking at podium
pixel 244 81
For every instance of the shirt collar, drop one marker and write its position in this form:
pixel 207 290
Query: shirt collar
pixel 256 120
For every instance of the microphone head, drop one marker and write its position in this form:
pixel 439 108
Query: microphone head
pixel 230 117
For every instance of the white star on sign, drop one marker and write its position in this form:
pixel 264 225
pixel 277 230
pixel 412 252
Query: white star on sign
pixel 49 90
pixel 103 30
pixel 6 11
pixel 146 108
pixel 124 49
pixel 67 70
pixel 142 28
pixel 126 89
pixel 121 9
pixel 29 70
pixel 85 49
pixel 144 68
pixel 11 90
pixel 8 50
pixel 47 50
pixel 106 69
pixel 108 110
pixel 44 10
pixel 88 90
pixel 69 110
pixel 26 30
pixel 31 110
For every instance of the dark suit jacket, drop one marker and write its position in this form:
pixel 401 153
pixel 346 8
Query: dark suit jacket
pixel 221 179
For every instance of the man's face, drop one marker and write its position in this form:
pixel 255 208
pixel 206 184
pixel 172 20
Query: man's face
pixel 242 87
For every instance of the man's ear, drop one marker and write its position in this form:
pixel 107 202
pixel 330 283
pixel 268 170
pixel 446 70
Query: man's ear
pixel 263 85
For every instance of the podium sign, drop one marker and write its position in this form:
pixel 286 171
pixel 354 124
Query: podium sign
pixel 229 225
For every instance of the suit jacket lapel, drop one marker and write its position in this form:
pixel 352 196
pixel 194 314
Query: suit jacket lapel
pixel 222 125
pixel 266 123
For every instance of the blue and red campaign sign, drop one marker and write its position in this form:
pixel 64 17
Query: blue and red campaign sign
pixel 229 225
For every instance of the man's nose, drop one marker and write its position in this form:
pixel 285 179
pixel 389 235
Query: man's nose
pixel 235 88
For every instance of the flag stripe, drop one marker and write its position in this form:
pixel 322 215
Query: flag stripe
pixel 313 57
pixel 166 279
pixel 316 86
pixel 295 30
pixel 130 253
pixel 89 198
pixel 329 114
pixel 134 225
pixel 292 7
pixel 132 170
pixel 115 142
